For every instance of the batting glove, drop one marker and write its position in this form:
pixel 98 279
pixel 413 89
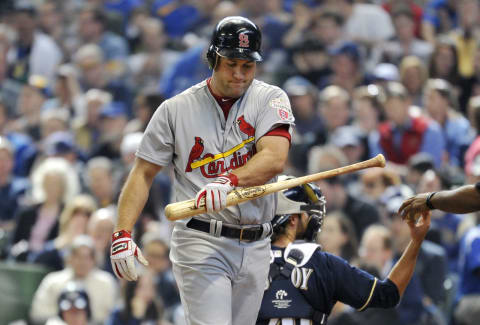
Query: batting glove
pixel 122 255
pixel 215 193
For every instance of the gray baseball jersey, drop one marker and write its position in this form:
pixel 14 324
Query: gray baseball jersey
pixel 220 279
pixel 190 130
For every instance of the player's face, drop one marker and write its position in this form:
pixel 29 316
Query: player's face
pixel 232 77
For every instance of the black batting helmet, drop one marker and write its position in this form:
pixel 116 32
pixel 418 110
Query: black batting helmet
pixel 296 200
pixel 235 37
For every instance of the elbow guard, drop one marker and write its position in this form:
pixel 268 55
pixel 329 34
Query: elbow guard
pixel 386 295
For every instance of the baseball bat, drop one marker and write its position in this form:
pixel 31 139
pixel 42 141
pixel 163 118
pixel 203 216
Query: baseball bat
pixel 185 209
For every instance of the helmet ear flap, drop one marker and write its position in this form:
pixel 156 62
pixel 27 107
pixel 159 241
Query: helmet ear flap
pixel 211 57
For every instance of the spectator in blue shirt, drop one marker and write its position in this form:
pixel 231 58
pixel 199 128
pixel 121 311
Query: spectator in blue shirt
pixel 177 16
pixel 440 103
pixel 439 17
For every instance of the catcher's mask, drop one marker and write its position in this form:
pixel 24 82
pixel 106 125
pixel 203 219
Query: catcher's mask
pixel 235 37
pixel 296 200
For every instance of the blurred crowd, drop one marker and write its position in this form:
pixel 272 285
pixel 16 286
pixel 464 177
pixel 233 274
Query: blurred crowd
pixel 80 80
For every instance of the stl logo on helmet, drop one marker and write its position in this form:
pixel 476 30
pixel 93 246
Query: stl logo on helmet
pixel 243 40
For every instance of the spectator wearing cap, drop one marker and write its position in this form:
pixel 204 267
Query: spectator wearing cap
pixel 27 55
pixel 413 75
pixel 360 212
pixel 94 73
pixel 29 104
pixel 310 60
pixel 12 187
pixel 426 292
pixel 73 307
pixel 346 67
pixel 402 134
pixel 404 42
pixel 350 140
pixel 442 106
pixel 417 165
pixel 87 128
pixel 99 285
pixel 383 73
pixel 113 119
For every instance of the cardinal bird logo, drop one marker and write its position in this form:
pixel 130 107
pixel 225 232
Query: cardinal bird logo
pixel 195 153
pixel 245 127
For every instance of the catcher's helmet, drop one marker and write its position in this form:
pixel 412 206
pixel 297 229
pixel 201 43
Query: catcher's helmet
pixel 235 37
pixel 304 198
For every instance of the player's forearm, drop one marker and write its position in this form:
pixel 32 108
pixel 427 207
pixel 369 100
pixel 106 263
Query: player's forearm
pixel 265 164
pixel 465 199
pixel 403 270
pixel 132 199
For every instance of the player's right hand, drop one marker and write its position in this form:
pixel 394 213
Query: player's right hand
pixel 215 193
pixel 122 255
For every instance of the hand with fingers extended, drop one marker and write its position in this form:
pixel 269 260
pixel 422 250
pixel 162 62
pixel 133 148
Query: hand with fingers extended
pixel 215 193
pixel 123 254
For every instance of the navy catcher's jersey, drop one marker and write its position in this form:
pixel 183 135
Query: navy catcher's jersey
pixel 318 279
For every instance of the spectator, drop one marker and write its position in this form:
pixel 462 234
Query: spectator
pixel 334 108
pixel 12 188
pixel 346 67
pixel 73 307
pixel 360 212
pixel 92 29
pixel 53 183
pixel 327 26
pixel 376 249
pixel 375 181
pixel 402 135
pixel 100 228
pixel 368 107
pixel 52 121
pixel 439 18
pixel 94 74
pixel 99 285
pixel 87 128
pixel 349 139
pixel 444 60
pixel 444 229
pixel 29 104
pixel 113 119
pixel 413 75
pixel 442 106
pixel 405 42
pixel 100 180
pixel 417 165
pixel 338 236
pixel 72 223
pixel 27 56
pixel 144 106
pixel 140 303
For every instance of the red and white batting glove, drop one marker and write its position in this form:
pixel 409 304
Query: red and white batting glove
pixel 122 255
pixel 215 193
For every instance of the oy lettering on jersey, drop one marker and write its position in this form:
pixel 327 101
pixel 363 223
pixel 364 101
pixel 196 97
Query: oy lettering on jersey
pixel 300 276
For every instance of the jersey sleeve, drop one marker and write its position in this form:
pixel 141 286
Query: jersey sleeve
pixel 274 111
pixel 360 289
pixel 157 145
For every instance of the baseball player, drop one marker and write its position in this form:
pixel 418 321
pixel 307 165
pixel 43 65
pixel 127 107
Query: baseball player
pixel 304 282
pixel 227 131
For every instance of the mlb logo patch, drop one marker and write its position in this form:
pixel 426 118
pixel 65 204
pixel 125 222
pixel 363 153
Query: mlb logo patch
pixel 284 115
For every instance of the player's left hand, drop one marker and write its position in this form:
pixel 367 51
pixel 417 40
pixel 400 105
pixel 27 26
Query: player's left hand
pixel 123 254
pixel 215 193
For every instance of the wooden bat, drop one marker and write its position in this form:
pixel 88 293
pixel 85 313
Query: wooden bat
pixel 185 209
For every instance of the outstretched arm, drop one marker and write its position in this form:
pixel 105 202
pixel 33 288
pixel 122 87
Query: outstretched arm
pixel 403 270
pixel 464 199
